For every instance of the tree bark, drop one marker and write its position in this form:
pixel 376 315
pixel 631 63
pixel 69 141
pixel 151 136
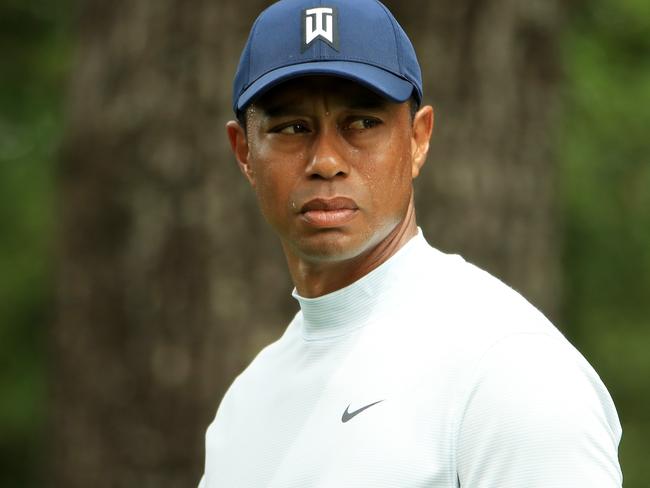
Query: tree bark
pixel 491 70
pixel 169 280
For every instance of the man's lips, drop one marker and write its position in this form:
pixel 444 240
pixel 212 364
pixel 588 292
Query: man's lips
pixel 329 204
pixel 329 212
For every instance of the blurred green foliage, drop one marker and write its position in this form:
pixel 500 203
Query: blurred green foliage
pixel 605 188
pixel 34 54
pixel 604 151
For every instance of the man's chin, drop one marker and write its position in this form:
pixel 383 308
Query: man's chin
pixel 329 246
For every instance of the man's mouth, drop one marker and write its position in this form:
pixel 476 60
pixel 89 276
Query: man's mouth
pixel 329 212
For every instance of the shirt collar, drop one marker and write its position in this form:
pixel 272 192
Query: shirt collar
pixel 353 306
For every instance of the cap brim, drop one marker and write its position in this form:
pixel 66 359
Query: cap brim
pixel 381 81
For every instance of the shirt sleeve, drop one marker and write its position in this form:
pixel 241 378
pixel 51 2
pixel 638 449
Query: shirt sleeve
pixel 537 416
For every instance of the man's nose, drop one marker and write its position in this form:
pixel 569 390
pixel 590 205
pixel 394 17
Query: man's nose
pixel 326 160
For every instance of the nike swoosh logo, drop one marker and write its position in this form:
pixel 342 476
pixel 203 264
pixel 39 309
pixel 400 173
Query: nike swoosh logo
pixel 350 415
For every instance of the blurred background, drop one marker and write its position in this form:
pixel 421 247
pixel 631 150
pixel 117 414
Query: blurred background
pixel 137 278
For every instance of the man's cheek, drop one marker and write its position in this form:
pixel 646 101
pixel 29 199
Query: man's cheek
pixel 271 200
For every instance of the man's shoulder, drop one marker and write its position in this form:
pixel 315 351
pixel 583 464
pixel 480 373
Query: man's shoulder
pixel 439 278
pixel 469 309
pixel 478 328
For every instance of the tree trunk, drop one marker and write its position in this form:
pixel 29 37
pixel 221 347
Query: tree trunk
pixel 491 70
pixel 169 280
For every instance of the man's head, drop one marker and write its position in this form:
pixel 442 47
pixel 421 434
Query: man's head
pixel 332 137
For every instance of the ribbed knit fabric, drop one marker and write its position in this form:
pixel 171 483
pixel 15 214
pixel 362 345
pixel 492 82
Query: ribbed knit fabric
pixel 427 372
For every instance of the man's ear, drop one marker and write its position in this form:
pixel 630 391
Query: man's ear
pixel 239 145
pixel 422 129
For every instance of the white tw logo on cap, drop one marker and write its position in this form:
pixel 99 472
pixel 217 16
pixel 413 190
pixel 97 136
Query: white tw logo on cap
pixel 319 16
pixel 320 23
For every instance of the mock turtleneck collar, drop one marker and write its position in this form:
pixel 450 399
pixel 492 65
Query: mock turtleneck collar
pixel 352 307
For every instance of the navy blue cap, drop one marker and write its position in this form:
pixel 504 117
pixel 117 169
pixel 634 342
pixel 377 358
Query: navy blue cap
pixel 355 39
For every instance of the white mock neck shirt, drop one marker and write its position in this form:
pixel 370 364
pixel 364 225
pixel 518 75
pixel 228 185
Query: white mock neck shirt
pixel 425 373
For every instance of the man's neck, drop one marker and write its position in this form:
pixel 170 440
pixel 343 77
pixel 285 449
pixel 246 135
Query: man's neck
pixel 314 279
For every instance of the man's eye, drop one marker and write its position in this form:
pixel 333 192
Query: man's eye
pixel 295 128
pixel 365 123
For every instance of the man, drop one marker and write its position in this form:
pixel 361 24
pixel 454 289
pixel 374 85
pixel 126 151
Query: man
pixel 405 367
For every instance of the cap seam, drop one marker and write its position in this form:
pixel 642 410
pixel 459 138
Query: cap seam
pixel 248 70
pixel 390 20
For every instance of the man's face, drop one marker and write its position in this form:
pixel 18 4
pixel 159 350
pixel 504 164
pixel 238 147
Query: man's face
pixel 332 165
